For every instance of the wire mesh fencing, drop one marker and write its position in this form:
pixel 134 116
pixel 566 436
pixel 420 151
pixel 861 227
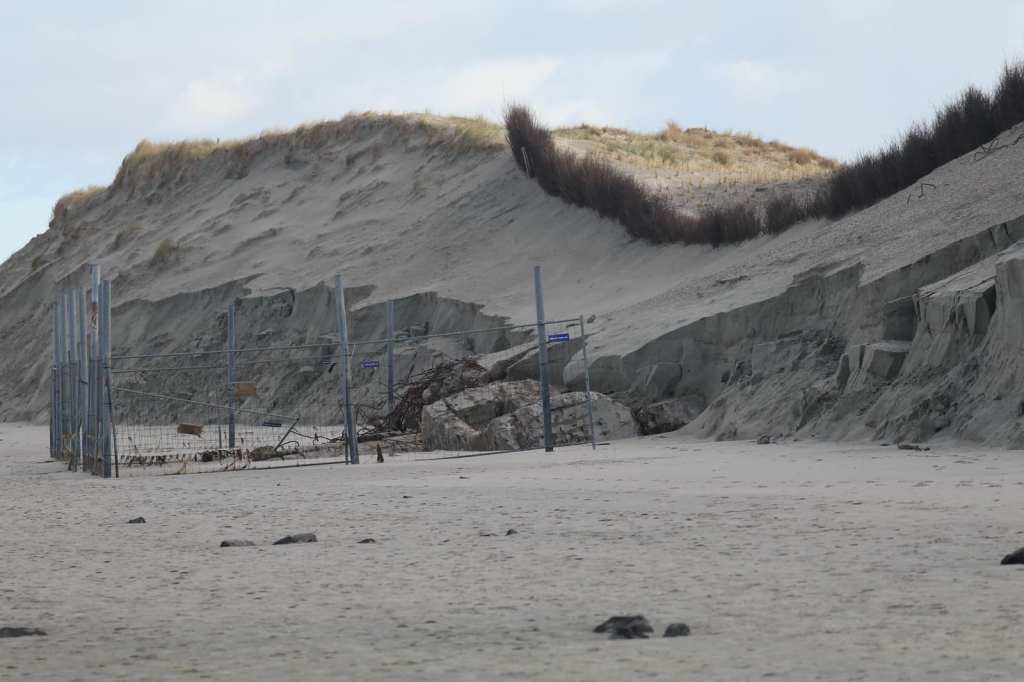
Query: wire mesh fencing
pixel 80 415
pixel 244 395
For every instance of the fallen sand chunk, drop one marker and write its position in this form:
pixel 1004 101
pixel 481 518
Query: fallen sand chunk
pixel 6 632
pixel 677 630
pixel 298 538
pixel 625 627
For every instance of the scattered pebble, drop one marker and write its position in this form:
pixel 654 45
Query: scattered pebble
pixel 21 632
pixel 137 519
pixel 367 541
pixel 237 543
pixel 677 630
pixel 296 539
pixel 487 535
pixel 511 531
pixel 1013 558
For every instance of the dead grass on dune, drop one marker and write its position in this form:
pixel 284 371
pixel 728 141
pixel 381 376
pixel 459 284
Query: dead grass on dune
pixel 724 156
pixel 462 130
pixel 591 181
pixel 162 161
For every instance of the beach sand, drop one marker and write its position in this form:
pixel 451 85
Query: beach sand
pixel 800 561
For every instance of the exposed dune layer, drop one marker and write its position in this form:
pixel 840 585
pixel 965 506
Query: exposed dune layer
pixel 402 209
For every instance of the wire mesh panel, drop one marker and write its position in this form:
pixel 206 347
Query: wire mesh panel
pixel 270 379
pixel 172 410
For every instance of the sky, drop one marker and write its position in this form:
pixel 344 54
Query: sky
pixel 82 83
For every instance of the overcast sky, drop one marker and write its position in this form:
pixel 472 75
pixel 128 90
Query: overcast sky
pixel 82 83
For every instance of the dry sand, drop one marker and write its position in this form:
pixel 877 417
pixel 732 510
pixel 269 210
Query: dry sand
pixel 804 561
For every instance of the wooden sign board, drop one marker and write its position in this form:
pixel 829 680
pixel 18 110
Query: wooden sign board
pixel 245 389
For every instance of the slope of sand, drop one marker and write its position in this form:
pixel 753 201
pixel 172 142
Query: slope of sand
pixel 805 561
pixel 404 213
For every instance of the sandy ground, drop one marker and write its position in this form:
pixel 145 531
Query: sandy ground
pixel 804 561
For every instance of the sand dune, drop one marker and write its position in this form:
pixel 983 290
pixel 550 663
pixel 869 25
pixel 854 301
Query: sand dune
pixel 405 209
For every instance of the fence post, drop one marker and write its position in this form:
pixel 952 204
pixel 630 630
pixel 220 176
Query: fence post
pixel 109 382
pixel 542 360
pixel 391 355
pixel 95 392
pixel 586 375
pixel 232 347
pixel 102 367
pixel 343 363
pixel 55 430
pixel 83 369
pixel 72 402
pixel 59 358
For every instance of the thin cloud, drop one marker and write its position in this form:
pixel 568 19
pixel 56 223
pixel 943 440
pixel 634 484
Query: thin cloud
pixel 212 102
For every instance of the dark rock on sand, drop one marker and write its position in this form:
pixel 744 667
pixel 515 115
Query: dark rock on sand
pixel 21 632
pixel 137 519
pixel 367 541
pixel 677 630
pixel 625 627
pixel 237 543
pixel 1013 558
pixel 296 539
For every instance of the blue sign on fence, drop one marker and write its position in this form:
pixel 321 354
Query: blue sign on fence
pixel 558 338
pixel 371 364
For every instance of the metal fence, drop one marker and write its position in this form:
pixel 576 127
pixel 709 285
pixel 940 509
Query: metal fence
pixel 81 427
pixel 217 407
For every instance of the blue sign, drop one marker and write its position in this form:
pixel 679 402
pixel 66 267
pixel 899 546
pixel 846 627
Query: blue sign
pixel 371 364
pixel 558 338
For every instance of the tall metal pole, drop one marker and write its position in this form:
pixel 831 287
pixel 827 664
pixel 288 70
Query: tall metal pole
pixel 72 365
pixel 56 434
pixel 542 360
pixel 95 390
pixel 343 362
pixel 391 355
pixel 83 364
pixel 109 381
pixel 101 370
pixel 586 374
pixel 232 347
pixel 58 358
pixel 67 330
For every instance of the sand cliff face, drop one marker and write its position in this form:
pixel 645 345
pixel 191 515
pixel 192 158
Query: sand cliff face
pixel 840 329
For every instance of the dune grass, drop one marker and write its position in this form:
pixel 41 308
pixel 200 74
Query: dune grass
pixel 157 161
pixel 593 182
pixel 971 120
pixel 700 151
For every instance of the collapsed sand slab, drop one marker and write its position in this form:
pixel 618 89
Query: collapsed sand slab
pixel 508 416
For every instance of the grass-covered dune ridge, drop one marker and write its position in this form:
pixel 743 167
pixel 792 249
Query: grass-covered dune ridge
pixel 154 165
pixel 971 120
